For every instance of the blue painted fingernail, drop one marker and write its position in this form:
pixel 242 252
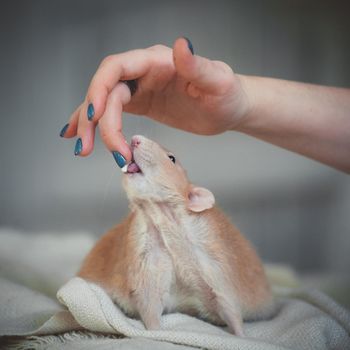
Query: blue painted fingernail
pixel 78 147
pixel 64 129
pixel 119 158
pixel 189 44
pixel 90 111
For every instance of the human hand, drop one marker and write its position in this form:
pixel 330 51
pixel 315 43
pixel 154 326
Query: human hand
pixel 174 87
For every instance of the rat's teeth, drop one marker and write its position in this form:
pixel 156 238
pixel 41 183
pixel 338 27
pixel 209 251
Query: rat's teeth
pixel 124 169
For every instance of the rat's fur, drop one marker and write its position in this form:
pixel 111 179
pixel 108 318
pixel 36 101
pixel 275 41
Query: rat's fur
pixel 176 251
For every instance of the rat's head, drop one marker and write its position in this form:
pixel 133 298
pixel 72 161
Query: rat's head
pixel 155 174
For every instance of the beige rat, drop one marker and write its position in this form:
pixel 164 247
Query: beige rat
pixel 176 252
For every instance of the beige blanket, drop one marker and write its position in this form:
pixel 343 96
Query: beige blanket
pixel 85 317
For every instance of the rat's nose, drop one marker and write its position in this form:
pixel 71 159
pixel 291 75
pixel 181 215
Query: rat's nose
pixel 135 141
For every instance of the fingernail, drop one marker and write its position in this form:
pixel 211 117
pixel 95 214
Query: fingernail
pixel 119 158
pixel 189 44
pixel 90 111
pixel 78 147
pixel 64 129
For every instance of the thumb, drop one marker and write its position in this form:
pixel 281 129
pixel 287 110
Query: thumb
pixel 209 76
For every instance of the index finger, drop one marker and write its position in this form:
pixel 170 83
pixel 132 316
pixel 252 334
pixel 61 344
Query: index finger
pixel 125 66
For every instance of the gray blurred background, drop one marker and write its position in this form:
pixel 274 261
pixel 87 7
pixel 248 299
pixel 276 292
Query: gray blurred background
pixel 294 210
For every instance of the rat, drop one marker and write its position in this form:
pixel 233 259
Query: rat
pixel 176 251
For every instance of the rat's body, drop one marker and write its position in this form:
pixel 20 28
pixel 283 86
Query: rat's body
pixel 176 251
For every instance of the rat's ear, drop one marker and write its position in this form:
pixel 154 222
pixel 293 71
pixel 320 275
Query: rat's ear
pixel 199 199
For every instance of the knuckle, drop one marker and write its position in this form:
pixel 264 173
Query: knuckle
pixel 107 60
pixel 157 47
pixel 106 136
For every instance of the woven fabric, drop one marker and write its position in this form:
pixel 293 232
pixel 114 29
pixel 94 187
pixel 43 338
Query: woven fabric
pixel 86 317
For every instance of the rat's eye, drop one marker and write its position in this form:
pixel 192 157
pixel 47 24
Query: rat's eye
pixel 172 158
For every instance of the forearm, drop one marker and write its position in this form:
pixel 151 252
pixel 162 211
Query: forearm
pixel 308 119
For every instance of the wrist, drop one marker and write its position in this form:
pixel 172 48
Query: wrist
pixel 248 102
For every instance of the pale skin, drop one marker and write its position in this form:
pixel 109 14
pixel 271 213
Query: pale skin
pixel 202 96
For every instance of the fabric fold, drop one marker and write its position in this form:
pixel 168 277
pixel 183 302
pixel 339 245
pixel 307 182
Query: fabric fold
pixel 85 317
